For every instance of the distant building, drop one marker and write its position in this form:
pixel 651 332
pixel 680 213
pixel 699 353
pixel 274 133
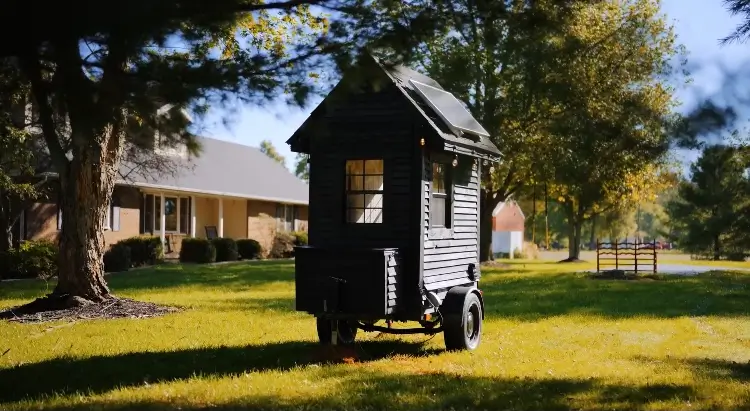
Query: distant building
pixel 507 228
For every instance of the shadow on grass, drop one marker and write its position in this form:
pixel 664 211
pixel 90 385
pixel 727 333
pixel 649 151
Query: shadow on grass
pixel 103 373
pixel 435 391
pixel 231 276
pixel 710 367
pixel 513 294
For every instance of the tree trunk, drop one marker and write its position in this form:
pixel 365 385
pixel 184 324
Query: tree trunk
pixel 592 240
pixel 85 192
pixel 717 248
pixel 574 239
pixel 6 240
pixel 487 204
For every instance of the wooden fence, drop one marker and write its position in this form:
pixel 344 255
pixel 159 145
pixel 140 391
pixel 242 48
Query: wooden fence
pixel 626 256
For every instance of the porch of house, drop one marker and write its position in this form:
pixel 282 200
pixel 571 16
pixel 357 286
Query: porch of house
pixel 185 215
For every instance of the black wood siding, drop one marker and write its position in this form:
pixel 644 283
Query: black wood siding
pixel 370 125
pixel 448 252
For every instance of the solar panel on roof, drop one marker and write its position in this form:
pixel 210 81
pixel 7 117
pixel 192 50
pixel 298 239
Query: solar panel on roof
pixel 450 109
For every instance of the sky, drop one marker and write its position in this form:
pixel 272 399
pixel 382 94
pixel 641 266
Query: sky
pixel 699 25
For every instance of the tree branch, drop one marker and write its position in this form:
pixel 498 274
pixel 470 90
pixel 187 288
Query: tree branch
pixel 33 71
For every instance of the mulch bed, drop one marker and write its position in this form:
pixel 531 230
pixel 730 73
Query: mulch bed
pixel 113 307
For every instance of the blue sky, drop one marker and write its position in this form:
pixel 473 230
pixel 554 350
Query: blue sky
pixel 699 25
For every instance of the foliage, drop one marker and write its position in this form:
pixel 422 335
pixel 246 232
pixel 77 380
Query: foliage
pixel 118 258
pixel 712 212
pixel 226 249
pixel 283 245
pixel 300 238
pixel 32 259
pixel 105 90
pixel 144 250
pixel 611 138
pixel 302 167
pixel 267 148
pixel 249 249
pixel 17 152
pixel 197 250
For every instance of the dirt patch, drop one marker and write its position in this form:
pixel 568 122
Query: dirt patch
pixel 571 260
pixel 39 311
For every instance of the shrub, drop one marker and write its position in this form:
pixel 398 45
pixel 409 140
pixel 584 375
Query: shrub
pixel 530 252
pixel 283 246
pixel 117 258
pixel 197 250
pixel 226 249
pixel 249 249
pixel 144 250
pixel 300 238
pixel 32 259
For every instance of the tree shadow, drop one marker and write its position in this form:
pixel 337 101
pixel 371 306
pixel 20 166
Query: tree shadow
pixel 438 390
pixel 536 297
pixel 235 276
pixel 98 374
pixel 710 367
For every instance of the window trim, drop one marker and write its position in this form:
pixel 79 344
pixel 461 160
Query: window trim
pixel 157 221
pixel 447 230
pixel 282 222
pixel 348 192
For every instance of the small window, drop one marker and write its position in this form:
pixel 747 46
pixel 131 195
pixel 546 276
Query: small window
pixel 364 191
pixel 440 204
pixel 285 217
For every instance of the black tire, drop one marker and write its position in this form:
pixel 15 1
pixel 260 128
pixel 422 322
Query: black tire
pixel 463 329
pixel 347 331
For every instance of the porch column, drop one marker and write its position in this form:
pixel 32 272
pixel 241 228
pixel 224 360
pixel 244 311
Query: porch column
pixel 221 217
pixel 192 216
pixel 163 219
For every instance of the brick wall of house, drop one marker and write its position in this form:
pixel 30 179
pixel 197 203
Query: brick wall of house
pixel 509 218
pixel 129 201
pixel 261 221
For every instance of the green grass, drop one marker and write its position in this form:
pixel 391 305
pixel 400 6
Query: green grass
pixel 553 340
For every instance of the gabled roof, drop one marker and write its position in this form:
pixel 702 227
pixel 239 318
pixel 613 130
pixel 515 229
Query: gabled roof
pixel 231 169
pixel 400 76
pixel 502 205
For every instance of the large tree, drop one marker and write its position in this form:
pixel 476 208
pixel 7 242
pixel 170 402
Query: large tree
pixel 495 56
pixel 711 212
pixel 613 103
pixel 99 82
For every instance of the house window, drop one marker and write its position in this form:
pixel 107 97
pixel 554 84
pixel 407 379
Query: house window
pixel 440 203
pixel 364 191
pixel 176 214
pixel 286 217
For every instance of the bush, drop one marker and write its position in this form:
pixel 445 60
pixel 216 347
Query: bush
pixel 117 258
pixel 32 259
pixel 300 238
pixel 530 252
pixel 197 250
pixel 226 249
pixel 249 249
pixel 283 246
pixel 144 250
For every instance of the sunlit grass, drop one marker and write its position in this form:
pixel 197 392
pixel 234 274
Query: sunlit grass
pixel 554 339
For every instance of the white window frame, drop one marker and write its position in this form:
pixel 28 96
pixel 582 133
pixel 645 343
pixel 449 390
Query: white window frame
pixel 281 222
pixel 155 220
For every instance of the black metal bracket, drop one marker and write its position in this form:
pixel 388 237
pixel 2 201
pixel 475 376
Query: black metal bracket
pixel 372 327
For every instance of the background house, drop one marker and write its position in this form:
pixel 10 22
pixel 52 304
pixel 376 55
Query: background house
pixel 507 227
pixel 231 188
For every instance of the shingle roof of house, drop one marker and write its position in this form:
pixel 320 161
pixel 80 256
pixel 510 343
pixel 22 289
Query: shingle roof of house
pixel 232 169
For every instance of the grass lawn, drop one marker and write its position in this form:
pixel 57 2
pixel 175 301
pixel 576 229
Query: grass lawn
pixel 553 340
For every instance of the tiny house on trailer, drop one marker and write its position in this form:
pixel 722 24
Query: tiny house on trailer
pixel 395 165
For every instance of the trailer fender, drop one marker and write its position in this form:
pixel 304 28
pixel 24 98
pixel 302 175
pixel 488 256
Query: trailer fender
pixel 454 299
pixel 481 299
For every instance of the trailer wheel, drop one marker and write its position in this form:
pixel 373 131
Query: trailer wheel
pixel 347 331
pixel 463 323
